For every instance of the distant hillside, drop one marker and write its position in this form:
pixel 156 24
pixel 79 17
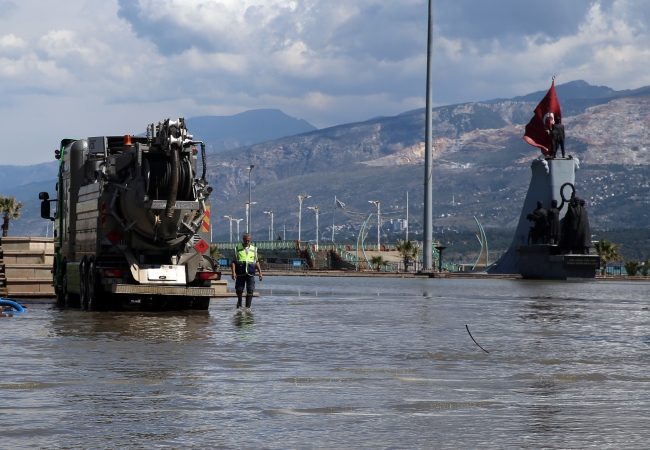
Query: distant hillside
pixel 481 168
pixel 481 165
pixel 14 176
pixel 247 128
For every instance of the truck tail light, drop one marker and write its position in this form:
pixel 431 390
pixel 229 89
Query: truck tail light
pixel 113 273
pixel 209 275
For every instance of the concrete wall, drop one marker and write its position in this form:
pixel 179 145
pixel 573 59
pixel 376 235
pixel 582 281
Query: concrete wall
pixel 27 266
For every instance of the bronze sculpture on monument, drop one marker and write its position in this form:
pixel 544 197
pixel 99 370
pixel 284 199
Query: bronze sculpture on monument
pixel 557 246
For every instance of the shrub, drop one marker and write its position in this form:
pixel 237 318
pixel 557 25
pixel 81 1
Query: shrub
pixel 645 268
pixel 631 267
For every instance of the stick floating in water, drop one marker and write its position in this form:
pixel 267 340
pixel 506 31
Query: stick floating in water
pixel 479 345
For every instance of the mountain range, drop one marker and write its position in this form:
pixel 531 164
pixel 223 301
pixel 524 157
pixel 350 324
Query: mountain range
pixel 481 167
pixel 246 128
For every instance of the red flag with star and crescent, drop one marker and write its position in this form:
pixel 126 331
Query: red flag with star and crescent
pixel 547 113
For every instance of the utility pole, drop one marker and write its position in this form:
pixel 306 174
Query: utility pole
pixel 300 199
pixel 249 225
pixel 376 202
pixel 428 154
pixel 315 208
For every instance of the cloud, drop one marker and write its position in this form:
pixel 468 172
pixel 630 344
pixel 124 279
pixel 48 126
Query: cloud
pixel 114 63
pixel 12 46
pixel 607 48
pixel 7 8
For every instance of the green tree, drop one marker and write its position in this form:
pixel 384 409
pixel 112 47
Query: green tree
pixel 645 268
pixel 377 262
pixel 10 209
pixel 631 267
pixel 408 250
pixel 607 252
pixel 214 251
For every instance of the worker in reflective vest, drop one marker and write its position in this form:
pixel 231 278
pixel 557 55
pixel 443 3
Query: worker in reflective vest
pixel 244 266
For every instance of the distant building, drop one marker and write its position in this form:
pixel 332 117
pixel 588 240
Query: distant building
pixel 398 224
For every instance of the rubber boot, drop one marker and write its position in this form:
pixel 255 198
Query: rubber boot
pixel 249 301
pixel 238 300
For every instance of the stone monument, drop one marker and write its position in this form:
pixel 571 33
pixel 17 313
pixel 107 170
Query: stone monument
pixel 550 181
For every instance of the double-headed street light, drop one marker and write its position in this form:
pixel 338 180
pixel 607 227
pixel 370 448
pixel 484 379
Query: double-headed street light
pixel 376 202
pixel 249 225
pixel 238 220
pixel 300 199
pixel 270 213
pixel 230 219
pixel 315 208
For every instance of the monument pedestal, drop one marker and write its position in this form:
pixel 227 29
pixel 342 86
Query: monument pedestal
pixel 543 262
pixel 547 178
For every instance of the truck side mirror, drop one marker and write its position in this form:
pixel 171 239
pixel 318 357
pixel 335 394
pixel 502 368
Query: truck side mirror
pixel 43 196
pixel 45 209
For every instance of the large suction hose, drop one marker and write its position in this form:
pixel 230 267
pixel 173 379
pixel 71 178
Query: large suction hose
pixel 173 188
pixel 203 160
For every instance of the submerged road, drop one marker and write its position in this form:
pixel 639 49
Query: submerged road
pixel 339 363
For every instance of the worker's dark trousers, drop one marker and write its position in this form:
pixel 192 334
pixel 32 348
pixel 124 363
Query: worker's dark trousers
pixel 248 282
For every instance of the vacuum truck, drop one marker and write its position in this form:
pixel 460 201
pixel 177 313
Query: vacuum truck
pixel 127 226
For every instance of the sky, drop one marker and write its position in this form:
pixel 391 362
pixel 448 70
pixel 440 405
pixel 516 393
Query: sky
pixel 79 68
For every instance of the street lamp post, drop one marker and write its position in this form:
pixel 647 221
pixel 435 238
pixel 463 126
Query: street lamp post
pixel 248 208
pixel 249 225
pixel 270 213
pixel 238 220
pixel 300 199
pixel 315 208
pixel 230 219
pixel 376 202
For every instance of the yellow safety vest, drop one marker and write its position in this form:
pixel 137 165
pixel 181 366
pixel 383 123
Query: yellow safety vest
pixel 245 259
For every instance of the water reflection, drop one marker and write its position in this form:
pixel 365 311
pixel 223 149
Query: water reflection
pixel 155 327
pixel 244 319
pixel 550 311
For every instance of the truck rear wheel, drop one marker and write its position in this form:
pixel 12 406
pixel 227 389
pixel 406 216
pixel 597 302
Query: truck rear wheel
pixel 71 300
pixel 201 303
pixel 83 299
pixel 96 298
pixel 58 290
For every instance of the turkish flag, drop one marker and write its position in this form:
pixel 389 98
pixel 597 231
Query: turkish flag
pixel 547 113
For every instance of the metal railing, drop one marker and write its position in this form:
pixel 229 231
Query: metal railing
pixel 347 252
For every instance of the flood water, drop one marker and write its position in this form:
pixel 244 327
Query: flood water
pixel 339 363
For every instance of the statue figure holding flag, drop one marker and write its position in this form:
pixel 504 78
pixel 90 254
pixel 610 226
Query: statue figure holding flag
pixel 557 138
pixel 545 129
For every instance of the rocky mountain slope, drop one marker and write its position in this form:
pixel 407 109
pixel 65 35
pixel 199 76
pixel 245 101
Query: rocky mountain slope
pixel 481 167
pixel 481 164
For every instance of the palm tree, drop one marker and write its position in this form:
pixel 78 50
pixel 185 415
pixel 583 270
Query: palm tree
pixel 10 209
pixel 377 262
pixel 214 251
pixel 607 252
pixel 408 250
